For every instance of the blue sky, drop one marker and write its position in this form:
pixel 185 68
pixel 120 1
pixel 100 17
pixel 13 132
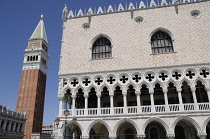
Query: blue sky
pixel 18 21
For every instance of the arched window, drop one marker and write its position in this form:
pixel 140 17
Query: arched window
pixel 101 48
pixel 161 42
pixel 154 133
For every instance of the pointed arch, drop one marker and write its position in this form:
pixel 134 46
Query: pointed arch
pixel 102 87
pixel 69 123
pixel 90 87
pixel 202 81
pixel 156 119
pixel 65 89
pixel 131 84
pixel 192 121
pixel 162 29
pixel 158 82
pixel 144 83
pixel 117 84
pixel 123 121
pixel 161 41
pixel 78 87
pixel 187 81
pixel 98 121
pixel 97 37
pixel 172 81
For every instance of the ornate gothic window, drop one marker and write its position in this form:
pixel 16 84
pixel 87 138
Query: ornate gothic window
pixel 161 42
pixel 101 48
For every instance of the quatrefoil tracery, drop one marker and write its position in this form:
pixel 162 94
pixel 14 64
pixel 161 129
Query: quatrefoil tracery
pixel 190 74
pixel 176 75
pixel 204 73
pixel 163 76
pixel 74 82
pixel 124 79
pixel 86 82
pixel 98 81
pixel 150 77
pixel 136 78
pixel 111 80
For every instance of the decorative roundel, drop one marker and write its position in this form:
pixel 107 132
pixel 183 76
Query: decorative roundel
pixel 123 78
pixel 139 19
pixel 136 77
pixel 190 73
pixel 195 13
pixel 74 82
pixel 111 79
pixel 86 25
pixel 204 73
pixel 163 75
pixel 150 76
pixel 86 81
pixel 98 80
pixel 176 75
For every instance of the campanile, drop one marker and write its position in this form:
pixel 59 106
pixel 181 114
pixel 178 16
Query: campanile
pixel 33 80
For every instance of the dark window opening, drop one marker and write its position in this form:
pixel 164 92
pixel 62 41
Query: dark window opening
pixel 101 48
pixel 161 42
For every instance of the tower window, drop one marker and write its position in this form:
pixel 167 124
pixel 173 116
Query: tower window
pixel 101 48
pixel 161 42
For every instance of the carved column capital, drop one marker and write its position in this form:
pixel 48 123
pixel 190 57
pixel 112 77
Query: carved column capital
pixel 202 135
pixel 138 92
pixel 170 136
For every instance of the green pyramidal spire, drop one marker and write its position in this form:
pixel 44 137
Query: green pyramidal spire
pixel 39 32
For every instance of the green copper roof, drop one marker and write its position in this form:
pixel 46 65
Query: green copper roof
pixel 39 32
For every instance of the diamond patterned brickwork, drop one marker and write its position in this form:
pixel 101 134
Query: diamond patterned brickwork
pixel 131 41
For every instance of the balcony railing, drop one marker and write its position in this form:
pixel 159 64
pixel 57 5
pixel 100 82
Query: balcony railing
pixel 142 109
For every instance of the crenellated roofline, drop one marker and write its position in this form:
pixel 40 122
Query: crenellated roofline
pixel 120 8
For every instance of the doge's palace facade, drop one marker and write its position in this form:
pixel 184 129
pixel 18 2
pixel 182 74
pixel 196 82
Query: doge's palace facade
pixel 136 71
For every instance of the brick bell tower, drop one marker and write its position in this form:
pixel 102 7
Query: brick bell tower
pixel 33 80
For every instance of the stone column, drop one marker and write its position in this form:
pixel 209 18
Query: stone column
pixel 13 129
pixel 86 104
pixel 73 104
pixel 166 100
pixel 125 109
pixel 65 104
pixel 18 128
pixel 5 124
pixel 9 126
pixel 180 99
pixel 195 99
pixel 111 104
pixel 60 106
pixel 99 105
pixel 151 92
pixel 138 93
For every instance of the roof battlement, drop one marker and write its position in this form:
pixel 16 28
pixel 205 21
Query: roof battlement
pixel 120 8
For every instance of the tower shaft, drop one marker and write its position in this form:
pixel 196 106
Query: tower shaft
pixel 31 93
